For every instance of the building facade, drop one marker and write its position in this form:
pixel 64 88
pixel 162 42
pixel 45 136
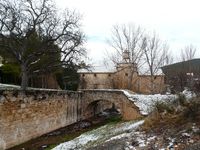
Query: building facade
pixel 125 76
pixel 183 74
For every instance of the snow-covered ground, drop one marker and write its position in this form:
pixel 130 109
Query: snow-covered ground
pixel 100 135
pixel 145 103
pixel 127 136
pixel 9 86
pixel 188 94
pixel 17 87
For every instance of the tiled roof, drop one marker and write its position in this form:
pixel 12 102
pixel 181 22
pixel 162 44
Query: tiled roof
pixel 97 69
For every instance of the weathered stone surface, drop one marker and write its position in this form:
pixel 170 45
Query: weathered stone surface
pixel 23 117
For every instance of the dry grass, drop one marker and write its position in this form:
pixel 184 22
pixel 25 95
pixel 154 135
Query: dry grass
pixel 171 115
pixel 157 120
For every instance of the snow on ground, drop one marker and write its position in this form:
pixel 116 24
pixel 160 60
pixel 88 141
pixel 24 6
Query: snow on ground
pixel 145 103
pixel 188 94
pixel 77 143
pixel 100 135
pixel 9 86
pixel 125 133
pixel 17 87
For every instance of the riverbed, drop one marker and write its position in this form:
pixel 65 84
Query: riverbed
pixel 50 140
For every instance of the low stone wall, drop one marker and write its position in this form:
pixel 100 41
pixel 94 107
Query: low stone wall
pixel 38 112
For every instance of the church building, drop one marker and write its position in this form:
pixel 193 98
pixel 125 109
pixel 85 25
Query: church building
pixel 125 76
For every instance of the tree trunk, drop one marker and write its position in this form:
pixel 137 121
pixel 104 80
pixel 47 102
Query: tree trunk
pixel 130 80
pixel 24 82
pixel 152 84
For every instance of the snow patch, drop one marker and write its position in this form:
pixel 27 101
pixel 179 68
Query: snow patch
pixel 77 142
pixel 145 103
pixel 17 87
pixel 188 94
pixel 119 136
pixel 9 86
pixel 100 135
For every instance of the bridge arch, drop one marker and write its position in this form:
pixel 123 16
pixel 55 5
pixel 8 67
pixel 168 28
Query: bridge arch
pixel 127 108
pixel 99 105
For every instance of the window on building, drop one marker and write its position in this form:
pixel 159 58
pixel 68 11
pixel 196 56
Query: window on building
pixel 126 74
pixel 109 75
pixel 165 79
pixel 95 75
pixel 190 74
pixel 83 75
pixel 95 86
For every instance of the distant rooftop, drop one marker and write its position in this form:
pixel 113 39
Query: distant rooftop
pixel 97 69
pixel 192 65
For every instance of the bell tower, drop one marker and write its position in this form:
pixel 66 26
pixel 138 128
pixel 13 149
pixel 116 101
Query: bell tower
pixel 126 56
pixel 126 65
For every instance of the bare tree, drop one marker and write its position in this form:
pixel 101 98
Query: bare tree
pixel 22 21
pixel 188 53
pixel 156 55
pixel 127 38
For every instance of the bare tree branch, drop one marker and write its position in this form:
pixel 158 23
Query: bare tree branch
pixel 30 29
pixel 156 55
pixel 127 38
pixel 188 53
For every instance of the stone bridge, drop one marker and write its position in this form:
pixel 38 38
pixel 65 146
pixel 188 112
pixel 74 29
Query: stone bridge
pixel 27 116
pixel 97 100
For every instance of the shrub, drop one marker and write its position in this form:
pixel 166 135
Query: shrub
pixel 10 74
pixel 162 107
pixel 192 109
pixel 181 99
pixel 172 114
pixel 163 113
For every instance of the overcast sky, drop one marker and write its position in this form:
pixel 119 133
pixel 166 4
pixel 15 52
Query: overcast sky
pixel 176 21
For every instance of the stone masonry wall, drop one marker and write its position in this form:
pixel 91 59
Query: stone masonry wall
pixel 25 117
pixel 36 112
pixel 127 108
